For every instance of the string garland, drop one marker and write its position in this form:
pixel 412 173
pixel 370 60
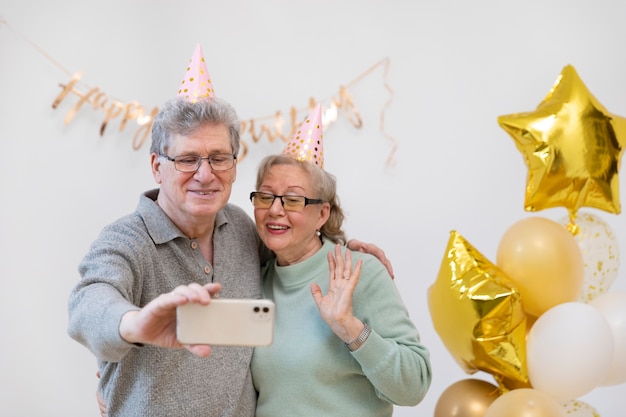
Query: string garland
pixel 271 127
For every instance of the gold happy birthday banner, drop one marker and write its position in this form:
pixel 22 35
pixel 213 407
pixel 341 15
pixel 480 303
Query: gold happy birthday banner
pixel 257 128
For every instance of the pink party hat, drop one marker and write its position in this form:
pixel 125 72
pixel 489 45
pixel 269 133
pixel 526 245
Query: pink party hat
pixel 306 144
pixel 197 82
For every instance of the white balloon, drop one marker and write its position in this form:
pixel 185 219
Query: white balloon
pixel 612 305
pixel 525 402
pixel 569 350
pixel 600 251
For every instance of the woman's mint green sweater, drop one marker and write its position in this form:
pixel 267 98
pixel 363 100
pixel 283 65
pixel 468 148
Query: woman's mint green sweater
pixel 308 370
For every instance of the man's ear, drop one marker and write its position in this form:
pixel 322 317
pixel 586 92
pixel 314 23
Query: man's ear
pixel 235 171
pixel 155 162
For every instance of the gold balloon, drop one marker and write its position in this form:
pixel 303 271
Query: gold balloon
pixel 544 261
pixel 477 312
pixel 466 398
pixel 572 146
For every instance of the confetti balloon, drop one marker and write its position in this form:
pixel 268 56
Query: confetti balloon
pixel 600 252
pixel 577 408
pixel 572 147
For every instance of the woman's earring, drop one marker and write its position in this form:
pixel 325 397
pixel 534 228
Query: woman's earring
pixel 318 233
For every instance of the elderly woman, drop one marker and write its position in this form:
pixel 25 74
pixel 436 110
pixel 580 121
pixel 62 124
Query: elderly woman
pixel 340 349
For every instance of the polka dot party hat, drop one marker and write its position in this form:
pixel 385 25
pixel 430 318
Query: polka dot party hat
pixel 196 84
pixel 306 144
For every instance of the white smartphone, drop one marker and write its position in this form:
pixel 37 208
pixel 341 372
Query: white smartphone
pixel 227 321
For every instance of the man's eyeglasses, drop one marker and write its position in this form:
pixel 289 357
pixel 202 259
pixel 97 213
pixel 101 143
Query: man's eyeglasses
pixel 289 202
pixel 191 163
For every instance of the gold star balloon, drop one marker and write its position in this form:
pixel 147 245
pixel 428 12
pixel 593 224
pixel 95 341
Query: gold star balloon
pixel 572 146
pixel 477 312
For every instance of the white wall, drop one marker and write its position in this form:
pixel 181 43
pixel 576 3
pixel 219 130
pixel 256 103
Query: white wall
pixel 455 67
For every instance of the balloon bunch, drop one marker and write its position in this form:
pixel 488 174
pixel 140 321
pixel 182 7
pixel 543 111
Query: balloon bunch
pixel 542 319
